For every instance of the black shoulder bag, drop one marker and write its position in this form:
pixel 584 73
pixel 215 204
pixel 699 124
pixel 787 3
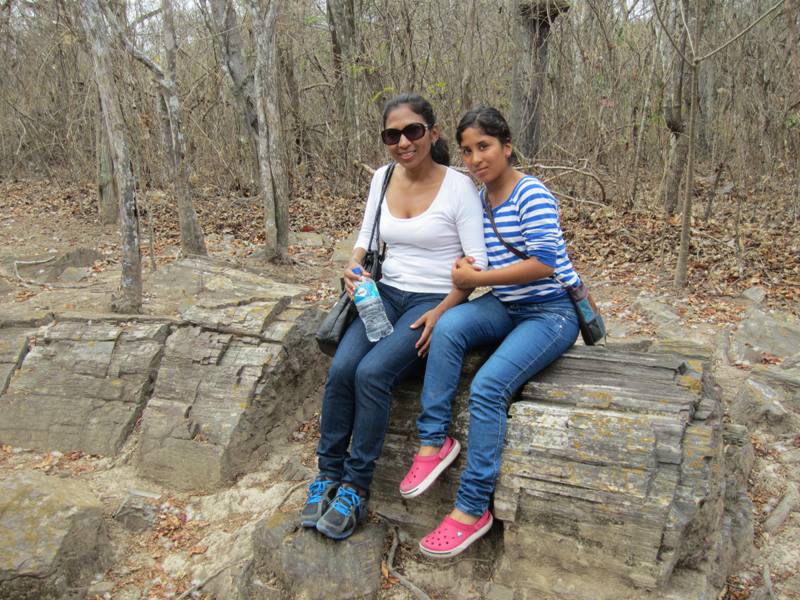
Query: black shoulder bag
pixel 334 325
pixel 590 321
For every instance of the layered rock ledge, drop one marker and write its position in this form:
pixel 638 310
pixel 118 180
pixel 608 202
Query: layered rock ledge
pixel 228 357
pixel 618 476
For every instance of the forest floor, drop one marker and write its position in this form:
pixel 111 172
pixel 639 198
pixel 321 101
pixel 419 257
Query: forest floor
pixel 624 254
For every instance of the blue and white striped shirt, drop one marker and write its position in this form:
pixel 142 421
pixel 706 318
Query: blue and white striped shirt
pixel 528 220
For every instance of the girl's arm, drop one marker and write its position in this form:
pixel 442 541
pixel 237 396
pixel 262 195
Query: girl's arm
pixel 465 275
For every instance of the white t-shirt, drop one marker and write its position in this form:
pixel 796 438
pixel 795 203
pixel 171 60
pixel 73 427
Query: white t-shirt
pixel 421 250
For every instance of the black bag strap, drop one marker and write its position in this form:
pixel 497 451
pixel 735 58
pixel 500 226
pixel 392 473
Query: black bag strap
pixel 488 209
pixel 518 253
pixel 376 228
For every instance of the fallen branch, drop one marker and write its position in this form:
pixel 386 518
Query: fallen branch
pixel 364 166
pixel 290 492
pixel 418 593
pixel 568 197
pixel 574 170
pixel 29 282
pixel 200 584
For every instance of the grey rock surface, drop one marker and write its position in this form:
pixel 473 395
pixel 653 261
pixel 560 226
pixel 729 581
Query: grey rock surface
pixel 52 538
pixel 219 394
pixel 789 501
pixel 614 473
pixel 138 511
pixel 658 312
pixel 13 348
pixel 775 333
pixel 313 567
pixel 755 294
pixel 759 403
pixel 81 386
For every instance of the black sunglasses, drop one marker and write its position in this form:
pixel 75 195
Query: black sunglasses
pixel 413 132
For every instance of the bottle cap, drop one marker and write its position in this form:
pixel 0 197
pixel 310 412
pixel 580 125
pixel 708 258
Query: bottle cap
pixel 357 270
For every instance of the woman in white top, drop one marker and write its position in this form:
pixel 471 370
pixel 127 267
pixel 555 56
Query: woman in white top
pixel 431 215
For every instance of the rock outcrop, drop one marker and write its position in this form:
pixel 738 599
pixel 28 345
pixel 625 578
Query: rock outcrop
pixel 230 357
pixel 614 477
pixel 312 567
pixel 52 538
pixel 81 386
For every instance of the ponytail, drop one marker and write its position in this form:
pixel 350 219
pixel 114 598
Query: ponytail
pixel 440 153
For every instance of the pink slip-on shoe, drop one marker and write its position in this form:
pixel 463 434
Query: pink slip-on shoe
pixel 425 469
pixel 451 538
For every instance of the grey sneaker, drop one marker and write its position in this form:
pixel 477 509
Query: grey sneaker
pixel 346 511
pixel 320 494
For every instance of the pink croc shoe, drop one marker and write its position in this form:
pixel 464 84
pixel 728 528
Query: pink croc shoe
pixel 451 538
pixel 425 469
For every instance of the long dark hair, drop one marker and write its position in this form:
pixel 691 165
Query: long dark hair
pixel 439 151
pixel 491 122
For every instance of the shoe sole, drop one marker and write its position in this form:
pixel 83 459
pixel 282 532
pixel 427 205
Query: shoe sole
pixel 336 536
pixel 434 475
pixel 461 547
pixel 308 524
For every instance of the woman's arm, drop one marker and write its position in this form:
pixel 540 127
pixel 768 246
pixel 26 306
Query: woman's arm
pixel 466 276
pixel 468 216
pixel 428 320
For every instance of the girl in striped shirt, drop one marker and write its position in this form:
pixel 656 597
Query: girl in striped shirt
pixel 528 312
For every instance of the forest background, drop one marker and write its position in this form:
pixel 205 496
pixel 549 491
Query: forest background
pixel 657 124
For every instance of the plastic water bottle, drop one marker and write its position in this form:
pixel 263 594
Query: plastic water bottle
pixel 370 308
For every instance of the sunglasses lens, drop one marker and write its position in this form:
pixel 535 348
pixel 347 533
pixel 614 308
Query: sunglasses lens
pixel 412 133
pixel 391 136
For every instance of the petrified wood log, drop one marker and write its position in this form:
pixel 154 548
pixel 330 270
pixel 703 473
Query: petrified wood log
pixel 613 474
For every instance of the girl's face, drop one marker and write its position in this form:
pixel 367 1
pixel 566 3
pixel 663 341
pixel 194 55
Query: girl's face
pixel 485 156
pixel 410 153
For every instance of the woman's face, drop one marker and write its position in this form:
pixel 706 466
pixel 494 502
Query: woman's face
pixel 485 156
pixel 410 153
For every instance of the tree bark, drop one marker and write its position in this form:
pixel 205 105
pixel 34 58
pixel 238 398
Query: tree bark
pixel 673 116
pixel 272 170
pixel 344 49
pixel 192 240
pixel 129 299
pixel 228 41
pixel 681 270
pixel 533 18
pixel 469 43
pixel 107 197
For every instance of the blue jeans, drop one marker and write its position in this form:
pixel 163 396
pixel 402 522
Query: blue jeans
pixel 533 335
pixel 358 394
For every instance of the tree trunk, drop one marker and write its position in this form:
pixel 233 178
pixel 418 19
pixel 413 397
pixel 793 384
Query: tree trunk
pixel 129 299
pixel 673 116
pixel 272 171
pixel 790 11
pixel 192 241
pixel 344 49
pixel 468 43
pixel 107 197
pixel 681 270
pixel 228 41
pixel 533 18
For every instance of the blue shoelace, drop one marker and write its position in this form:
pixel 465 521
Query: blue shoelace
pixel 347 499
pixel 317 489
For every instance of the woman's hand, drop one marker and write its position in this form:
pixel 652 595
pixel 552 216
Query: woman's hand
pixel 465 273
pixel 351 279
pixel 427 321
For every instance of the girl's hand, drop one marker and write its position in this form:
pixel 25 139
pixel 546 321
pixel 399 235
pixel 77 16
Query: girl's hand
pixel 351 279
pixel 464 273
pixel 428 322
